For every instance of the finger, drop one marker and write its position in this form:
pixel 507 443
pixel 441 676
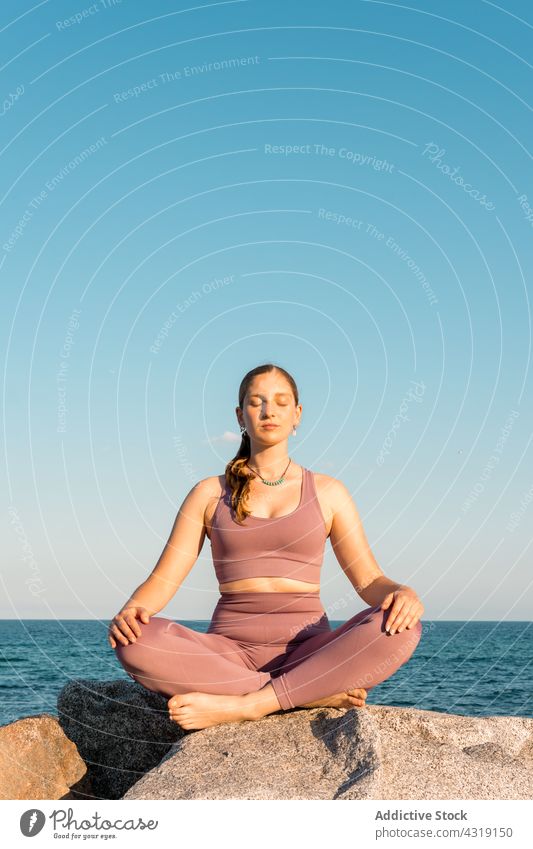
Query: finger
pixel 125 628
pixel 113 643
pixel 132 622
pixel 395 611
pixel 401 619
pixel 404 611
pixel 414 614
pixel 119 635
pixel 392 613
pixel 129 617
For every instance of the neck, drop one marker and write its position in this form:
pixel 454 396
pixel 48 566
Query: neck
pixel 270 462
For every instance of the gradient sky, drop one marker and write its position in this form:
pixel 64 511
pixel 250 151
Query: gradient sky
pixel 343 188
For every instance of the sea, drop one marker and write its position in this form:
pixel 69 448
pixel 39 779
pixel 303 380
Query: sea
pixel 482 668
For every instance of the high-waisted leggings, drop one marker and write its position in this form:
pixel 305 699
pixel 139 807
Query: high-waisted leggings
pixel 256 638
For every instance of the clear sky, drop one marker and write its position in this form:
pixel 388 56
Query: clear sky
pixel 342 188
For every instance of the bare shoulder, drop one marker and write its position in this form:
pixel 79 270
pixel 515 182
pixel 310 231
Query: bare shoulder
pixel 331 488
pixel 333 494
pixel 205 491
pixel 204 496
pixel 211 486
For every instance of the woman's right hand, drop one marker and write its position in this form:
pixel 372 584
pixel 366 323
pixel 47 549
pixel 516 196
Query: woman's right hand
pixel 124 626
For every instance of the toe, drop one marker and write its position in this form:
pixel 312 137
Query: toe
pixel 176 701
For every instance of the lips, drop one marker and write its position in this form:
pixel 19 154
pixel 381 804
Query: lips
pixel 269 427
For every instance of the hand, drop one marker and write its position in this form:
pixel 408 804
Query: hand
pixel 406 609
pixel 124 626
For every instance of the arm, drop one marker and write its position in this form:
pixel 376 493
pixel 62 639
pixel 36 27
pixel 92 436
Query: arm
pixel 179 554
pixel 359 564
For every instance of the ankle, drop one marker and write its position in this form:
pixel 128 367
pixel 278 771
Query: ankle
pixel 252 706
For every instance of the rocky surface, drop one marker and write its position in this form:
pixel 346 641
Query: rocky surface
pixel 121 731
pixel 432 755
pixel 114 740
pixel 379 752
pixel 315 753
pixel 37 760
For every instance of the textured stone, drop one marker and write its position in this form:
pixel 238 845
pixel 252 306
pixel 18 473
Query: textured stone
pixel 134 751
pixel 37 760
pixel 432 755
pixel 315 753
pixel 120 728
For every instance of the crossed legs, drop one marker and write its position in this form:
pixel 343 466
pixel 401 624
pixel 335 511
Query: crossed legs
pixel 359 653
pixel 209 680
pixel 170 658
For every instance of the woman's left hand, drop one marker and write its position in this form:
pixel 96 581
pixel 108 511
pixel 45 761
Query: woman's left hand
pixel 406 609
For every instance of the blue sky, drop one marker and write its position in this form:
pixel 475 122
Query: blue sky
pixel 188 192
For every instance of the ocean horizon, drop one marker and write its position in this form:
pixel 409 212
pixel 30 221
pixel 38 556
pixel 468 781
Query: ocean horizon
pixel 476 668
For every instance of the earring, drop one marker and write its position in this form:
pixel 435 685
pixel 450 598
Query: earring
pixel 243 429
pixel 293 430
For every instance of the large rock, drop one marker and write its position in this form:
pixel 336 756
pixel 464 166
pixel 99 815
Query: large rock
pixel 378 752
pixel 427 754
pixel 133 751
pixel 37 760
pixel 120 728
pixel 315 753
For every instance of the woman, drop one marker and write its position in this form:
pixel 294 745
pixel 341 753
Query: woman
pixel 269 645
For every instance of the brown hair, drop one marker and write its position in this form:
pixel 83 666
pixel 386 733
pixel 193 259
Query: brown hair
pixel 237 478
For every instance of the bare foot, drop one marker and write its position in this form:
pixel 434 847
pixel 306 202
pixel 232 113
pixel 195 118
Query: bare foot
pixel 347 699
pixel 201 710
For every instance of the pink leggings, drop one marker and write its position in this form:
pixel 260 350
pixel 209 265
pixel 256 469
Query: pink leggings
pixel 256 638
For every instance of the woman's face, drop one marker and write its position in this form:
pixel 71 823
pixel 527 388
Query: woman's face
pixel 270 401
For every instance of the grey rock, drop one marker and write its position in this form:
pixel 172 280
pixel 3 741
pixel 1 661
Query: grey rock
pixel 120 728
pixel 133 751
pixel 432 755
pixel 313 753
pixel 490 752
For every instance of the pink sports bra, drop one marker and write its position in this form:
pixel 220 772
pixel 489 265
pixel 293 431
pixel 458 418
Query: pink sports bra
pixel 290 546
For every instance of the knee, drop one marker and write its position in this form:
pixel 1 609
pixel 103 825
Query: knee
pixel 151 631
pixel 378 618
pixel 405 642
